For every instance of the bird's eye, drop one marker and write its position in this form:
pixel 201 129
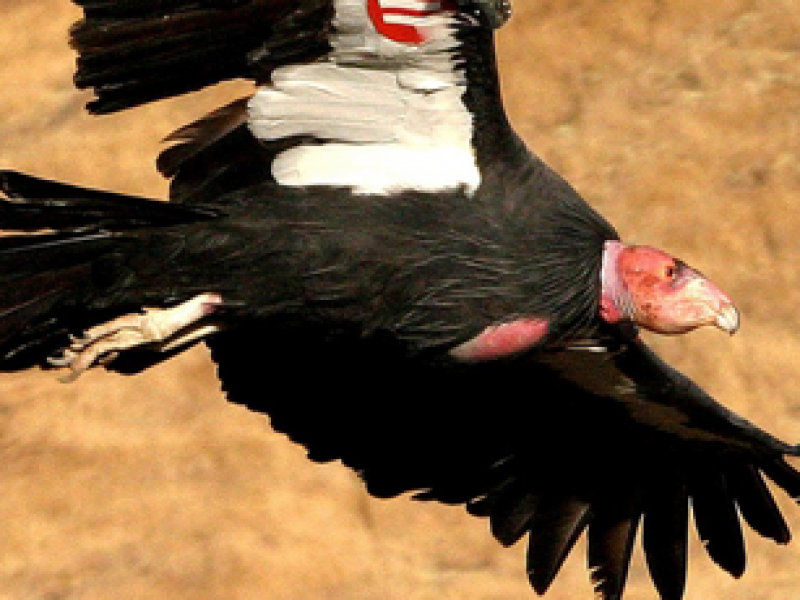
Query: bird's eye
pixel 669 271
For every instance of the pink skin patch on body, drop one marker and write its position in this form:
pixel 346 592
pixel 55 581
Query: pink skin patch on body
pixel 404 20
pixel 500 341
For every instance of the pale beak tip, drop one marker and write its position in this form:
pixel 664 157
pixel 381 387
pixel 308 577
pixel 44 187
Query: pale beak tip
pixel 728 319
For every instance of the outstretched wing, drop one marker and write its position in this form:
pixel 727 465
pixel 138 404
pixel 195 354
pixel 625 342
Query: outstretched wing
pixel 566 442
pixel 136 51
pixel 372 95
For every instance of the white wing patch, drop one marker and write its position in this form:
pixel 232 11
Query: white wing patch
pixel 385 115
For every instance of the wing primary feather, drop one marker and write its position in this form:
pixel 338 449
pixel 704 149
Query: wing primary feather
pixel 756 504
pixel 784 475
pixel 665 536
pixel 554 529
pixel 132 53
pixel 611 535
pixel 717 521
pixel 510 514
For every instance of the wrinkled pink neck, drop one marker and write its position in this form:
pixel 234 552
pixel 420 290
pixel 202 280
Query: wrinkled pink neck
pixel 615 304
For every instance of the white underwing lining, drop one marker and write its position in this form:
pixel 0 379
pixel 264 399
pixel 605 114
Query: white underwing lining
pixel 391 115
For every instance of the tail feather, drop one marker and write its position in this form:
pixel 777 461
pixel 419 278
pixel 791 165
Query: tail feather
pixel 25 256
pixel 27 318
pixel 53 259
pixel 35 204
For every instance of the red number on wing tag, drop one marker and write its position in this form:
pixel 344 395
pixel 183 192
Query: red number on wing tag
pixel 404 20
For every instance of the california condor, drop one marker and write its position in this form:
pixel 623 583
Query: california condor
pixel 448 316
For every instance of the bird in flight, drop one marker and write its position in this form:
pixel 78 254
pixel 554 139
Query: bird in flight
pixel 379 264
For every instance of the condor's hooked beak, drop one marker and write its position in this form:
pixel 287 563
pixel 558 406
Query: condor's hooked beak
pixel 710 305
pixel 728 319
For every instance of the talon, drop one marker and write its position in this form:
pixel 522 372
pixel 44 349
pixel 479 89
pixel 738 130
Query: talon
pixel 61 361
pixel 77 341
pixel 161 328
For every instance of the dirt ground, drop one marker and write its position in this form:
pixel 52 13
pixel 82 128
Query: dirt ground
pixel 679 120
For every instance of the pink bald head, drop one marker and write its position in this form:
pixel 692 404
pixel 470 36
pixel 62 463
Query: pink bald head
pixel 660 293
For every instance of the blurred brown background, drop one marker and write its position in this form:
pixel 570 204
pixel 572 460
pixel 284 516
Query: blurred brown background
pixel 678 119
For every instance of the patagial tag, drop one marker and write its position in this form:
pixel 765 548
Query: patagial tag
pixel 406 21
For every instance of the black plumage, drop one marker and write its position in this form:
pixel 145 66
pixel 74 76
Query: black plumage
pixel 369 292
pixel 190 45
pixel 665 536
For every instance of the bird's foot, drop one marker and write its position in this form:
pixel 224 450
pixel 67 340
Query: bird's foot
pixel 161 328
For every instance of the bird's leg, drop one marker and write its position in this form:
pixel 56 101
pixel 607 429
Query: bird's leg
pixel 161 328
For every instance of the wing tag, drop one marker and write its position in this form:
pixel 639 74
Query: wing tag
pixel 406 21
